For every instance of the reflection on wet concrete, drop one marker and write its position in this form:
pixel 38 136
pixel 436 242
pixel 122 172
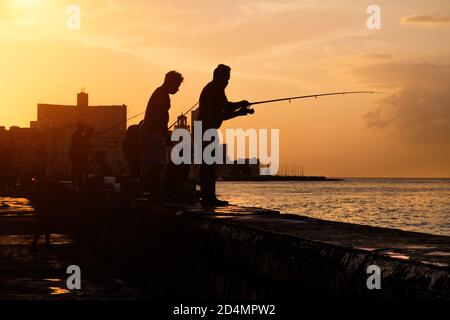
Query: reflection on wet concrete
pixel 438 253
pixel 366 249
pixel 57 290
pixel 437 264
pixel 396 255
pixel 41 274
pixel 15 205
pixel 15 239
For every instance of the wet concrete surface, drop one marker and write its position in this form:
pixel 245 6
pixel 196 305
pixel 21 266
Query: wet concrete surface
pixel 187 251
pixel 29 274
pixel 323 258
pixel 396 244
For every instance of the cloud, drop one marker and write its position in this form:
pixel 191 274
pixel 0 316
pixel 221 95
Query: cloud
pixel 426 20
pixel 264 7
pixel 421 111
pixel 380 56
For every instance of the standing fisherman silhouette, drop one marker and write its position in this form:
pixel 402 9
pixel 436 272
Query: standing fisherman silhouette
pixel 214 109
pixel 154 134
pixel 79 152
pixel 130 148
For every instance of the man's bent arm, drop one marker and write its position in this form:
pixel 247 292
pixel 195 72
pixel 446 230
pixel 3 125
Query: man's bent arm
pixel 227 115
pixel 233 106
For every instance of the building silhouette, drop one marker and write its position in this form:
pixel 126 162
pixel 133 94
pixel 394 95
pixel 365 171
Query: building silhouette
pixel 58 122
pixel 21 150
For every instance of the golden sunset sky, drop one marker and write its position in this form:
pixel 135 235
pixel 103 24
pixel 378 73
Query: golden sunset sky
pixel 275 48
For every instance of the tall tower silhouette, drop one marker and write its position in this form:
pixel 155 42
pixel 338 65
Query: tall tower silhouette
pixel 82 99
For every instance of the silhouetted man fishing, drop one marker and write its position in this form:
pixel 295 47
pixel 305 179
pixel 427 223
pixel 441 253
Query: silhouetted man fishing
pixel 130 148
pixel 214 109
pixel 79 153
pixel 154 134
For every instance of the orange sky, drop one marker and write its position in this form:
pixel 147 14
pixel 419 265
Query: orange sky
pixel 275 48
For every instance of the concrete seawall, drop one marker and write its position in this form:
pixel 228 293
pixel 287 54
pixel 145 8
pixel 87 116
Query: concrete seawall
pixel 187 252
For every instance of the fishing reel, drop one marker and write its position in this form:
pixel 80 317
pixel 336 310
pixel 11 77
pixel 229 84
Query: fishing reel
pixel 246 110
pixel 250 111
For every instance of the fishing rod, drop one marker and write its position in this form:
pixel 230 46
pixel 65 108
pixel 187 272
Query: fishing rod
pixel 262 102
pixel 300 97
pixel 117 124
pixel 126 120
pixel 135 116
pixel 320 95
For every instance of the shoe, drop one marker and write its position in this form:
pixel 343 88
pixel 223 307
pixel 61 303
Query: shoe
pixel 214 203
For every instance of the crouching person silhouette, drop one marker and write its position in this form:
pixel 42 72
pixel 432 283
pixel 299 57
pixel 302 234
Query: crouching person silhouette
pixel 214 109
pixel 154 135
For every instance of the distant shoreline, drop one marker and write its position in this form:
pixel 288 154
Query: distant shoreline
pixel 318 178
pixel 282 178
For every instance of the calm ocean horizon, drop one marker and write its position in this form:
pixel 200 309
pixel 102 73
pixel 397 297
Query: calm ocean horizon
pixel 421 205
